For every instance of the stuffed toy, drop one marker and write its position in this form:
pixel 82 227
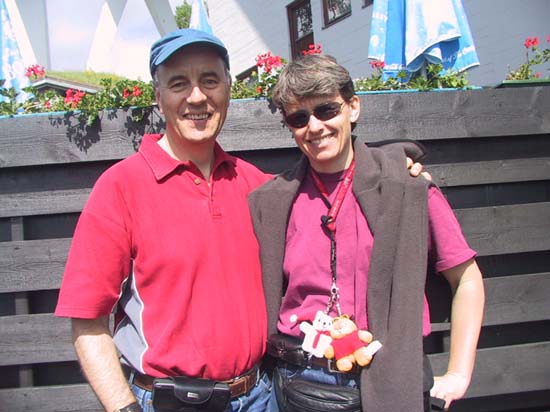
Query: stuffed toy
pixel 350 345
pixel 317 336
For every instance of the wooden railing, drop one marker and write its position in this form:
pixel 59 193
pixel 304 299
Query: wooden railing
pixel 489 150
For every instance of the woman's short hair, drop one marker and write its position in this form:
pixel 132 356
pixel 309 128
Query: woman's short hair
pixel 313 75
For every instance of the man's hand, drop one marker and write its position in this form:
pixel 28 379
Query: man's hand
pixel 449 387
pixel 415 169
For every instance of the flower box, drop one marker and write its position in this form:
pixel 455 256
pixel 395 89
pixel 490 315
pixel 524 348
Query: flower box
pixel 525 83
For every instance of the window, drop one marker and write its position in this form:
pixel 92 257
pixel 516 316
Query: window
pixel 335 10
pixel 301 26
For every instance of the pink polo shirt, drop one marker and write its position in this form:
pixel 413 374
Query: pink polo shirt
pixel 307 254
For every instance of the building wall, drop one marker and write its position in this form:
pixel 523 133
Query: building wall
pixel 250 27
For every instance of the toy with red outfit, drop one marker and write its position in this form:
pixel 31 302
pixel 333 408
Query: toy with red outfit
pixel 350 345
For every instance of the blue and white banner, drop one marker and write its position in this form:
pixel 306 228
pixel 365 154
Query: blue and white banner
pixel 12 69
pixel 407 33
pixel 199 17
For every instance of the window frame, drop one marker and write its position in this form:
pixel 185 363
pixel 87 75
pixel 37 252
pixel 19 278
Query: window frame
pixel 326 19
pixel 297 40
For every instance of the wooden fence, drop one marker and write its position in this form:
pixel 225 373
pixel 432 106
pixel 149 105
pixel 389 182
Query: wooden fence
pixel 489 150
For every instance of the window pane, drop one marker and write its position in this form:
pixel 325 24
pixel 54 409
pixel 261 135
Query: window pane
pixel 300 25
pixel 302 16
pixel 336 9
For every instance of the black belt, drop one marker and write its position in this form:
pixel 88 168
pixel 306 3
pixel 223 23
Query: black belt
pixel 288 349
pixel 238 386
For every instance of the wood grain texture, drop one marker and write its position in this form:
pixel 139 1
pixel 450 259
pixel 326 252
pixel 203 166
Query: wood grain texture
pixel 32 264
pixel 254 125
pixel 490 172
pixel 43 203
pixel 35 338
pixel 512 299
pixel 507 229
pixel 505 369
pixel 66 398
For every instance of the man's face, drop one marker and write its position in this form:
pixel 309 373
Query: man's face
pixel 193 90
pixel 326 143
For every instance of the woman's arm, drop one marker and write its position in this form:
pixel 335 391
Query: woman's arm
pixel 466 316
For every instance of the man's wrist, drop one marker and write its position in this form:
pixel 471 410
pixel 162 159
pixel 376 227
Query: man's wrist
pixel 133 407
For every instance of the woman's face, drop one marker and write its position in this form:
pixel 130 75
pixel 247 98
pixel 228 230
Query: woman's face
pixel 326 143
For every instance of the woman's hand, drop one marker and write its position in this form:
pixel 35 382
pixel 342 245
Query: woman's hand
pixel 449 387
pixel 415 169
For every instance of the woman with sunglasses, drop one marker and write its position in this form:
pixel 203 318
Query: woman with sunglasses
pixel 348 232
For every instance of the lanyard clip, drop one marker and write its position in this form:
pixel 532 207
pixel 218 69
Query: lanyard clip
pixel 334 299
pixel 328 222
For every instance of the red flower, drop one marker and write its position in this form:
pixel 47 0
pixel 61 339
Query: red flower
pixel 126 93
pixel 531 42
pixel 72 98
pixel 312 49
pixel 268 61
pixel 537 75
pixel 137 91
pixel 259 89
pixel 35 70
pixel 48 104
pixel 375 64
pixel 548 38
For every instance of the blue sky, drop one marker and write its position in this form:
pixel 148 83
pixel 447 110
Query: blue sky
pixel 72 27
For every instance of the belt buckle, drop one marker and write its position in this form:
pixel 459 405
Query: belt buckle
pixel 332 368
pixel 242 384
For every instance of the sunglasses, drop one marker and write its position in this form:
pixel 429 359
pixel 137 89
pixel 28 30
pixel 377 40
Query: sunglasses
pixel 324 111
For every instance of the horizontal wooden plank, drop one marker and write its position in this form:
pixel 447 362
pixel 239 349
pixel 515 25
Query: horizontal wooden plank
pixel 67 398
pixel 505 369
pixel 507 229
pixel 43 203
pixel 54 138
pixel 32 264
pixel 490 172
pixel 463 174
pixel 39 338
pixel 255 125
pixel 513 299
pixel 449 115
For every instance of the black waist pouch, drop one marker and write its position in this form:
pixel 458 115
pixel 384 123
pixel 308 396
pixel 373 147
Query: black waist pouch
pixel 299 395
pixel 185 394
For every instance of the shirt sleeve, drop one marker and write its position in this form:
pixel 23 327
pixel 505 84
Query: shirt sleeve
pixel 99 259
pixel 448 246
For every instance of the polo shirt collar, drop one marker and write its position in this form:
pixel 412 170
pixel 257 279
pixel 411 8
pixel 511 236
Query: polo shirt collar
pixel 162 164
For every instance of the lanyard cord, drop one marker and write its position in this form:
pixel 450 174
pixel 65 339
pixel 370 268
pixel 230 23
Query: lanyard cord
pixel 328 221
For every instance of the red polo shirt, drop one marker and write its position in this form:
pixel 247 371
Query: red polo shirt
pixel 177 257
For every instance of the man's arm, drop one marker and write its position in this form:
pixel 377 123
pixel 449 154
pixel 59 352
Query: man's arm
pixel 98 358
pixel 466 316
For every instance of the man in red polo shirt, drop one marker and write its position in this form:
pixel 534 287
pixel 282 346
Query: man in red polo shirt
pixel 166 240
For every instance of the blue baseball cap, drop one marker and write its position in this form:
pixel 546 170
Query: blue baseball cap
pixel 165 47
